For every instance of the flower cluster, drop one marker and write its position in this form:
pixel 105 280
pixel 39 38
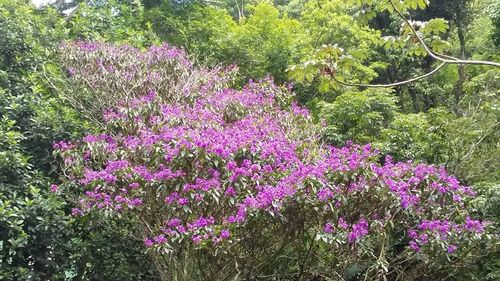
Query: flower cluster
pixel 202 164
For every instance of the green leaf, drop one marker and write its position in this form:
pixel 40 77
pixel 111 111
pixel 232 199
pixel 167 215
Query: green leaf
pixel 358 53
pixel 435 26
pixel 324 86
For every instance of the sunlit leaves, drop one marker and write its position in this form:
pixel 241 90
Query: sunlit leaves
pixel 358 53
pixel 324 85
pixel 324 60
pixel 435 26
pixel 391 5
pixel 331 51
pixel 331 61
pixel 439 45
pixel 414 4
pixel 304 72
pixel 392 42
pixel 417 51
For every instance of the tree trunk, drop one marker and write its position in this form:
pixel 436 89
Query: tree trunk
pixel 461 67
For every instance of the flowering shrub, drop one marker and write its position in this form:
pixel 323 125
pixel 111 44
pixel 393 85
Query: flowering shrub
pixel 225 183
pixel 100 74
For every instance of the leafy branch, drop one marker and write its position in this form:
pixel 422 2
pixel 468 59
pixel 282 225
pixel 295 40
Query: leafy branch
pixel 443 58
pixel 331 62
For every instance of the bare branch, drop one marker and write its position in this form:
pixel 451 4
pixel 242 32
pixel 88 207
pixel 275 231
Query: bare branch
pixel 392 84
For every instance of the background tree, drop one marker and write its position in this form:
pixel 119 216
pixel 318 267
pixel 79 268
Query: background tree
pixel 39 239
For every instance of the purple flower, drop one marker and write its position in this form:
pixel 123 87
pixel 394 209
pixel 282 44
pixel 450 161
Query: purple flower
pixel 160 239
pixel 148 242
pixel 325 194
pixel 76 212
pixel 473 225
pixel 358 230
pixel 201 222
pixel 136 202
pixel 182 201
pixel 224 234
pixel 174 222
pixel 451 249
pixel 172 198
pixel 342 224
pixel 181 229
pixel 63 146
pixel 414 246
pixel 197 239
pixel 230 191
pixel 329 228
pixel 134 185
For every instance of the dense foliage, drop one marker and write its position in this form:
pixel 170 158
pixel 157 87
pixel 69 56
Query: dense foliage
pixel 39 239
pixel 265 140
